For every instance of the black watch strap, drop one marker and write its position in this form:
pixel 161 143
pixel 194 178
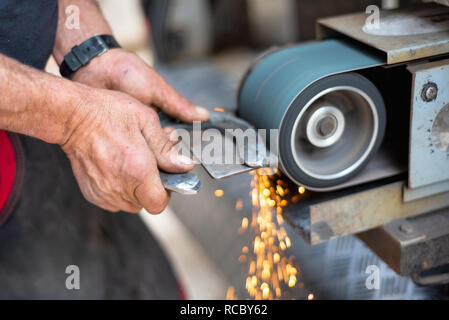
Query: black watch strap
pixel 85 52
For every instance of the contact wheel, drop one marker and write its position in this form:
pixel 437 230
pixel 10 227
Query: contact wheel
pixel 331 131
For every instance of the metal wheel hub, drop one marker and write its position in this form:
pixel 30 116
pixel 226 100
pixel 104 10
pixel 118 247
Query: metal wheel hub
pixel 334 132
pixel 325 126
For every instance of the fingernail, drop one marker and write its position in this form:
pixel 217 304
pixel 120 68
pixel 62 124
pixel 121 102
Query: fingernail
pixel 202 111
pixel 174 136
pixel 180 159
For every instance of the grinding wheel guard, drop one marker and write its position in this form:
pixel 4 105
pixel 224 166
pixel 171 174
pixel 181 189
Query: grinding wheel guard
pixel 272 86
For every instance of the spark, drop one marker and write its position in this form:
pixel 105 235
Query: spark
pixel 230 294
pixel 219 193
pixel 239 205
pixel 270 272
pixel 244 223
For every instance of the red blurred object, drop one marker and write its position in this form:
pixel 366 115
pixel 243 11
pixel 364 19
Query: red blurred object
pixel 181 291
pixel 8 171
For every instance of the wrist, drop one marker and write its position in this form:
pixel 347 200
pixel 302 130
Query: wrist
pixel 99 71
pixel 81 55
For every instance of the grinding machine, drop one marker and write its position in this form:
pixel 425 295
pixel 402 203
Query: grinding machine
pixel 362 115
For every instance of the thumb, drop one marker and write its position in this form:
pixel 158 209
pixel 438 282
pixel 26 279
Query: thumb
pixel 151 193
pixel 168 100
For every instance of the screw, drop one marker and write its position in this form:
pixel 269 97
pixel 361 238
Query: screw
pixel 429 92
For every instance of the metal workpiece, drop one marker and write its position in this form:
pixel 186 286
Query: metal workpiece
pixel 220 169
pixel 321 218
pixel 412 245
pixel 402 35
pixel 429 128
pixel 242 148
pixel 183 183
pixel 217 120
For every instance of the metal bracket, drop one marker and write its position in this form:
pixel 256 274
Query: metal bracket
pixel 429 130
pixel 413 245
pixel 320 218
pixel 423 192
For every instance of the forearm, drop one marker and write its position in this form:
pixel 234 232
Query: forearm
pixel 92 22
pixel 37 104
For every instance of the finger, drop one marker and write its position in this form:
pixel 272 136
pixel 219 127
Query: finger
pixel 168 130
pixel 114 204
pixel 173 136
pixel 111 202
pixel 169 101
pixel 129 207
pixel 89 193
pixel 151 194
pixel 163 149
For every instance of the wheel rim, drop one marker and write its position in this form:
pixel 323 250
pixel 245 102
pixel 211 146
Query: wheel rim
pixel 335 132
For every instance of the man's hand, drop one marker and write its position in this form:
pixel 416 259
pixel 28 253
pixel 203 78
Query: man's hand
pixel 115 149
pixel 117 146
pixel 114 142
pixel 124 71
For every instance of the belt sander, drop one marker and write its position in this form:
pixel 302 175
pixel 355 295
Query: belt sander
pixel 362 114
pixel 356 105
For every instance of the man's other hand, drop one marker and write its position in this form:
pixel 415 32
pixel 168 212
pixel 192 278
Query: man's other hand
pixel 120 70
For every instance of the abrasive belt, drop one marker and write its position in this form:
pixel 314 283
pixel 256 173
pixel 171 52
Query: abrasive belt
pixel 278 78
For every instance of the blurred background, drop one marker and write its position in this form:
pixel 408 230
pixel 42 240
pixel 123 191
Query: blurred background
pixel 202 48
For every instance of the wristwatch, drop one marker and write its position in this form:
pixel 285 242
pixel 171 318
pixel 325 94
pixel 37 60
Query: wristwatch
pixel 82 54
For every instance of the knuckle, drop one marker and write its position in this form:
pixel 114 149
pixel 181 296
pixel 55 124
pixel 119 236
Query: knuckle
pixel 100 151
pixel 138 166
pixel 150 114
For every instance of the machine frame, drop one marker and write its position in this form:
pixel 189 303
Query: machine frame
pixel 403 219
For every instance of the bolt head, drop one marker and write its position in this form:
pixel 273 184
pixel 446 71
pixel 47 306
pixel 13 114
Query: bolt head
pixel 429 92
